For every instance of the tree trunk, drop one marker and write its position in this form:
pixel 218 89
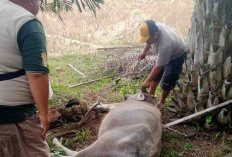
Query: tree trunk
pixel 208 70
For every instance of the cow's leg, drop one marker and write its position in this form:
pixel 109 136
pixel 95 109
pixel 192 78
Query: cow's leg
pixel 67 151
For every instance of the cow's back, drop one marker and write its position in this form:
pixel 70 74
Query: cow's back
pixel 133 127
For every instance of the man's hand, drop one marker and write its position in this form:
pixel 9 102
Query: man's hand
pixel 146 84
pixel 155 72
pixel 141 56
pixel 144 53
pixel 44 119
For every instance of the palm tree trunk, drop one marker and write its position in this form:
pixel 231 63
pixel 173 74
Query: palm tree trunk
pixel 208 70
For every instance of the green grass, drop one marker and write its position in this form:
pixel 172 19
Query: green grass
pixel 174 145
pixel 62 76
pixel 83 135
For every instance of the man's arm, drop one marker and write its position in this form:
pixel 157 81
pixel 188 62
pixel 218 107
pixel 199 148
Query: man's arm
pixel 155 72
pixel 32 44
pixel 144 53
pixel 39 88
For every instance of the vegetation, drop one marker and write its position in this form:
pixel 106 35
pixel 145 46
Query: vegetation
pixel 62 76
pixel 56 6
pixel 72 42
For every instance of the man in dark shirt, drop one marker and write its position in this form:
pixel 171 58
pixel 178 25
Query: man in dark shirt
pixel 23 81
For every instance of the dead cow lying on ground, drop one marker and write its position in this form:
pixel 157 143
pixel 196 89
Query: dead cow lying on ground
pixel 131 129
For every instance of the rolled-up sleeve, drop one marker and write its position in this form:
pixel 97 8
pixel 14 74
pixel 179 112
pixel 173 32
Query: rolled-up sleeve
pixel 32 45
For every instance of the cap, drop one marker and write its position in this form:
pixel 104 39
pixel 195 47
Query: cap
pixel 147 29
pixel 144 33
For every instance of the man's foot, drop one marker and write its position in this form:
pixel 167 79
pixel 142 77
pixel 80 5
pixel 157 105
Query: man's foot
pixel 160 106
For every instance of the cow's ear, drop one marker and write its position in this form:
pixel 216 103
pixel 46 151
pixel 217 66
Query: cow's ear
pixel 140 96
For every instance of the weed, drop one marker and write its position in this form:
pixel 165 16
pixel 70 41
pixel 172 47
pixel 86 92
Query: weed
pixel 83 135
pixel 55 149
pixel 187 146
pixel 166 135
pixel 127 90
pixel 218 134
pixel 174 140
pixel 67 142
pixel 208 119
pixel 226 149
pixel 173 153
pixel 198 128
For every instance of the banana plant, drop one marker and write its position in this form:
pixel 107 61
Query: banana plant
pixel 57 6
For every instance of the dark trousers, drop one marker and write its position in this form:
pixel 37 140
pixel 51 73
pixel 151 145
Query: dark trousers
pixel 170 73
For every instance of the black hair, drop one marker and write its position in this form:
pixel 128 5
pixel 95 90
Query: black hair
pixel 152 27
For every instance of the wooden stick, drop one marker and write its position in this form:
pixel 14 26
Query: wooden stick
pixel 198 114
pixel 215 67
pixel 91 81
pixel 83 120
pixel 174 131
pixel 113 48
pixel 77 70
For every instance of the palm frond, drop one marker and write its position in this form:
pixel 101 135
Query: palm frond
pixel 58 6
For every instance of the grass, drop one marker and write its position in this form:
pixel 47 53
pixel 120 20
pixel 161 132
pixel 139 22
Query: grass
pixel 174 145
pixel 62 76
pixel 112 90
pixel 82 136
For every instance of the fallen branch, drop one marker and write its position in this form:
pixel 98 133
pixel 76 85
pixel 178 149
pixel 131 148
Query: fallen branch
pixel 198 114
pixel 213 68
pixel 74 126
pixel 72 41
pixel 77 70
pixel 83 120
pixel 114 48
pixel 91 81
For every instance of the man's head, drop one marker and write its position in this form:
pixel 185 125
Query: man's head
pixel 30 5
pixel 149 32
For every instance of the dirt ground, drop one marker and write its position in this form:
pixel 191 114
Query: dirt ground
pixel 200 143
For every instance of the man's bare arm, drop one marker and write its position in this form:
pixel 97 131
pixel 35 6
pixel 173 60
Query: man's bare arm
pixel 40 91
pixel 144 53
pixel 154 73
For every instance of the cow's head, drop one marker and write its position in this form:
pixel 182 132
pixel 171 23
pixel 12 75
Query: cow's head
pixel 142 95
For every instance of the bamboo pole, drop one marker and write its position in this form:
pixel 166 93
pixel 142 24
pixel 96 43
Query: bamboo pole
pixel 198 114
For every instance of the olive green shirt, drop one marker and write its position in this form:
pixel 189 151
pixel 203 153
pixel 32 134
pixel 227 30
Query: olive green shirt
pixel 32 44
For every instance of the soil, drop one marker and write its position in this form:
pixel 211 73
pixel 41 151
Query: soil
pixel 200 143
